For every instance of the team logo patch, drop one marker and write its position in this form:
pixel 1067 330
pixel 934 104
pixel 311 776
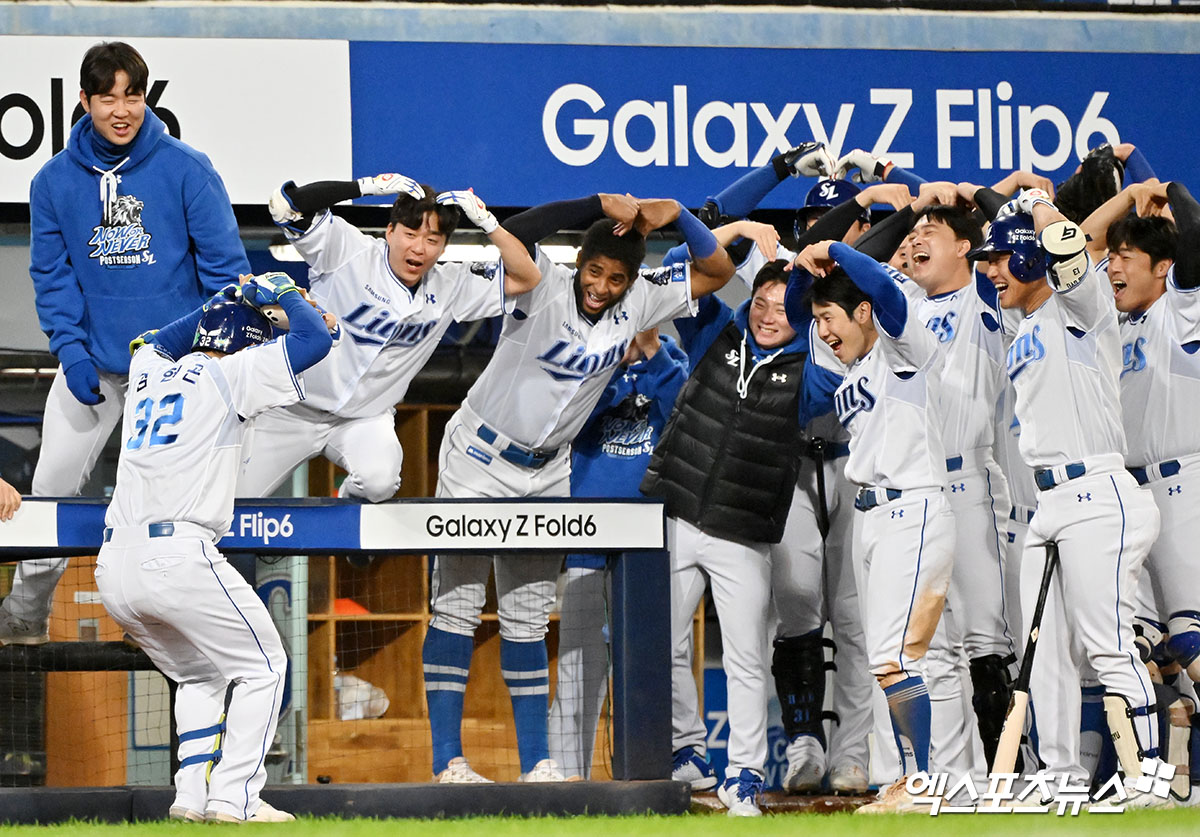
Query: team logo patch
pixel 120 240
pixel 664 275
pixel 625 432
pixel 487 270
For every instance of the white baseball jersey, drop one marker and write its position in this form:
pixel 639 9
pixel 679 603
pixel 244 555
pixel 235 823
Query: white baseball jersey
pixel 389 329
pixel 183 430
pixel 889 402
pixel 551 364
pixel 1065 363
pixel 1160 377
pixel 970 335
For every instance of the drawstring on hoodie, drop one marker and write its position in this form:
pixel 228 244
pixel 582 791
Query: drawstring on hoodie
pixel 109 180
pixel 743 385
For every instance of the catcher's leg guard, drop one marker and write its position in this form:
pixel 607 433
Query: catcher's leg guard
pixel 991 685
pixel 1126 742
pixel 1183 644
pixel 798 664
pixel 1175 730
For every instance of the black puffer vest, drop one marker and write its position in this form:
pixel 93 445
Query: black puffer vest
pixel 728 464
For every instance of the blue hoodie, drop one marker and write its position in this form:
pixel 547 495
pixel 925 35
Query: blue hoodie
pixel 127 245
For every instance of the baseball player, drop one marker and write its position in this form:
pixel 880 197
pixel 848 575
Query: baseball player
pixel 559 345
pixel 608 459
pixel 888 401
pixel 1154 273
pixel 1064 362
pixel 394 301
pixel 130 229
pixel 193 386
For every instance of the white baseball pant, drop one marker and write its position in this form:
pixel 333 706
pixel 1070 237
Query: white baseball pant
pixel 582 669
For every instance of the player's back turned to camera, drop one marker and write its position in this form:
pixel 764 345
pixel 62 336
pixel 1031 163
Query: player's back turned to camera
pixel 196 386
pixel 130 228
pixel 395 299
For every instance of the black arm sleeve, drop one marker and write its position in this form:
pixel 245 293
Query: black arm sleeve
pixel 532 225
pixel 323 194
pixel 831 226
pixel 1187 251
pixel 989 201
pixel 880 242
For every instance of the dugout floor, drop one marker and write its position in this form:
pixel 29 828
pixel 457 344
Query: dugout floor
pixel 132 804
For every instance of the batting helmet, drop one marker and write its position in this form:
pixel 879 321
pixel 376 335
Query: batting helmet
pixel 1012 232
pixel 823 197
pixel 230 327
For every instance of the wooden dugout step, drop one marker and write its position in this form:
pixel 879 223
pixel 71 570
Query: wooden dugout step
pixel 132 804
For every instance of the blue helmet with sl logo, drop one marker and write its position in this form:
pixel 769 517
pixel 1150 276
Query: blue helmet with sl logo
pixel 230 327
pixel 1013 233
pixel 823 197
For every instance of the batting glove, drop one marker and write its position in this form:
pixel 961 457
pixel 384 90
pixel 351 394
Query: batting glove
pixel 809 159
pixel 267 288
pixel 83 382
pixel 390 184
pixel 1030 198
pixel 871 169
pixel 472 207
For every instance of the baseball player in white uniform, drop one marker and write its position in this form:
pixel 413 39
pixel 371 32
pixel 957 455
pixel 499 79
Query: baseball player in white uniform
pixel 888 402
pixel 511 438
pixel 193 386
pixel 1064 362
pixel 394 301
pixel 1154 275
pixel 962 313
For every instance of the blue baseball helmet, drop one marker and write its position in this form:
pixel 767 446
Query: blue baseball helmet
pixel 1013 233
pixel 230 327
pixel 823 197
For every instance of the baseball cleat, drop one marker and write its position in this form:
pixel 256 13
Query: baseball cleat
pixel 265 813
pixel 693 768
pixel 184 814
pixel 741 795
pixel 848 779
pixel 16 631
pixel 546 770
pixel 806 765
pixel 458 772
pixel 894 799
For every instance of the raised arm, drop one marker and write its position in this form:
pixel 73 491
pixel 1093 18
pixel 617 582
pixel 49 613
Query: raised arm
pixel 521 274
pixel 294 207
pixel 1187 252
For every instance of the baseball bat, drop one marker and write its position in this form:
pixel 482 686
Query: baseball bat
pixel 1014 722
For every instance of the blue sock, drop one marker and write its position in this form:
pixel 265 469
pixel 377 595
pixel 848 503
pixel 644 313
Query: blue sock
pixel 908 703
pixel 447 659
pixel 526 671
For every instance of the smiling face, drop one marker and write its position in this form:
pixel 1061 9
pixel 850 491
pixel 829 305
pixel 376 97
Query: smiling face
pixel 603 282
pixel 769 324
pixel 937 257
pixel 850 336
pixel 1136 281
pixel 1011 292
pixel 118 113
pixel 412 252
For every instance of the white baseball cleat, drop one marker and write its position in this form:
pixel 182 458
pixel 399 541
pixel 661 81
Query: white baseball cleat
pixel 185 814
pixel 693 768
pixel 265 813
pixel 741 795
pixel 848 779
pixel 16 631
pixel 546 770
pixel 458 772
pixel 806 765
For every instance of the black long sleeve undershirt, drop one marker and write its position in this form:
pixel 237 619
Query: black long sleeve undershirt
pixel 534 224
pixel 1187 251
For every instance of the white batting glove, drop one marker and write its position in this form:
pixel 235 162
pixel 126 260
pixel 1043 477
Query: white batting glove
pixel 472 207
pixel 809 159
pixel 1030 198
pixel 390 184
pixel 870 168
